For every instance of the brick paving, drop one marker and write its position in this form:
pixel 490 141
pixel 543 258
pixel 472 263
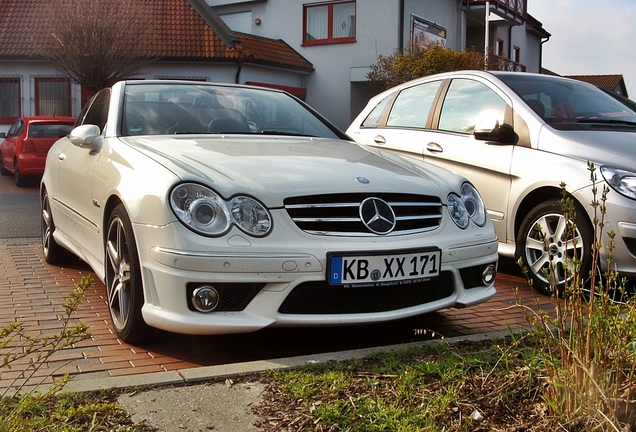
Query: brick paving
pixel 33 292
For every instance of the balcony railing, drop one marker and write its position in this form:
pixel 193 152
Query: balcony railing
pixel 502 63
pixel 515 8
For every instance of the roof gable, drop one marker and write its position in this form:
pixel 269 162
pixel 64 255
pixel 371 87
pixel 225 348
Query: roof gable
pixel 186 29
pixel 607 82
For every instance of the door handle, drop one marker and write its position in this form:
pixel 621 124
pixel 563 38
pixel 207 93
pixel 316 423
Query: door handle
pixel 379 139
pixel 433 147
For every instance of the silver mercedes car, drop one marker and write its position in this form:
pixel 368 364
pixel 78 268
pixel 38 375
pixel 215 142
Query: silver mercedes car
pixel 517 137
pixel 210 208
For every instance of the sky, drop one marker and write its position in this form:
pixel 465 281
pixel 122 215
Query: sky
pixel 589 37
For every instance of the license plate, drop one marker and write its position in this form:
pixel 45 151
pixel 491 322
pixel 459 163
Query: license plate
pixel 387 269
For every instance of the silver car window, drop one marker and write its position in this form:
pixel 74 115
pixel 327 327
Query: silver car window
pixel 412 105
pixel 467 103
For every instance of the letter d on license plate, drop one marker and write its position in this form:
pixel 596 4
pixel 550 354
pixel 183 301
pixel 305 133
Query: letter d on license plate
pixel 389 269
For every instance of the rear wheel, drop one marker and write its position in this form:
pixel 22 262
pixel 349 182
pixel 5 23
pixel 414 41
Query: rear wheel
pixel 20 180
pixel 124 287
pixel 53 252
pixel 554 253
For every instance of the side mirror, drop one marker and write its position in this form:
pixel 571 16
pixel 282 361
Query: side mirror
pixel 492 131
pixel 87 136
pixel 3 135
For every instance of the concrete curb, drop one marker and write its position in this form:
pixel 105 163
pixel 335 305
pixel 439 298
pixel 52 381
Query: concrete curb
pixel 208 373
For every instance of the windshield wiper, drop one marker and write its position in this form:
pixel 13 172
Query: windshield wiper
pixel 278 132
pixel 608 121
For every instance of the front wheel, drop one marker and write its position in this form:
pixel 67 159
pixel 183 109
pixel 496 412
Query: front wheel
pixel 549 259
pixel 20 179
pixel 3 170
pixel 123 282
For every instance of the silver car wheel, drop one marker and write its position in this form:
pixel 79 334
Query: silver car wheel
pixel 123 281
pixel 118 274
pixel 52 251
pixel 556 250
pixel 47 226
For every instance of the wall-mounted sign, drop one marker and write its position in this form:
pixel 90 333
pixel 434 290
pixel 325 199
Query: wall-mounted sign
pixel 425 34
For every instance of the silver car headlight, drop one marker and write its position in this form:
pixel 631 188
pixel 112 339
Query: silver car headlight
pixel 474 204
pixel 204 211
pixel 466 207
pixel 623 182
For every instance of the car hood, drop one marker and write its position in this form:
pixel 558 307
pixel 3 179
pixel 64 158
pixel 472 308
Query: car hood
pixel 616 148
pixel 272 169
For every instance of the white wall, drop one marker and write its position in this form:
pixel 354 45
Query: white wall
pixel 329 86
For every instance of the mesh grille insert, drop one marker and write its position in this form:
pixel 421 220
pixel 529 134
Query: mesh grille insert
pixel 320 298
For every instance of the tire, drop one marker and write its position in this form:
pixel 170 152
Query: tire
pixel 3 170
pixel 53 252
pixel 20 180
pixel 123 282
pixel 536 254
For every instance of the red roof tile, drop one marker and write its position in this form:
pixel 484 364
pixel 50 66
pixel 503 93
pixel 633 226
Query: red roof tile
pixel 608 82
pixel 182 33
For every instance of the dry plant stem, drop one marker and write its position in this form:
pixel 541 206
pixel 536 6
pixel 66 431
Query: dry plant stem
pixel 43 347
pixel 592 370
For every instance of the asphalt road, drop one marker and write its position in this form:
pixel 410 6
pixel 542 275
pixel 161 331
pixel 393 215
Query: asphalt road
pixel 19 209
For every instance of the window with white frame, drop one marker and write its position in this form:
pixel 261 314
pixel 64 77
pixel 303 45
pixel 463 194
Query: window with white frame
pixel 53 96
pixel 9 99
pixel 326 23
pixel 516 54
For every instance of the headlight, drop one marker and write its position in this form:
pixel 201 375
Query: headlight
pixel 457 211
pixel 474 204
pixel 623 182
pixel 250 216
pixel 205 212
pixel 466 207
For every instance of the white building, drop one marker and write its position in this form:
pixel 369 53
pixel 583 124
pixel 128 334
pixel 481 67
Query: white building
pixel 319 51
pixel 343 38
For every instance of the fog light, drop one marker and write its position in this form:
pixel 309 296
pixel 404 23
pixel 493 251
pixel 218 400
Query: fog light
pixel 488 275
pixel 205 299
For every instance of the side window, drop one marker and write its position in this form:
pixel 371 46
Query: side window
pixel 9 99
pixel 97 112
pixel 412 105
pixel 327 23
pixel 467 103
pixel 53 96
pixel 16 129
pixel 374 117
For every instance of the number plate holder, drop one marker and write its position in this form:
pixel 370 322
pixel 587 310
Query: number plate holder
pixel 355 269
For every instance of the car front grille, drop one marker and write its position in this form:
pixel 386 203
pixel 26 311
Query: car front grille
pixel 319 298
pixel 339 214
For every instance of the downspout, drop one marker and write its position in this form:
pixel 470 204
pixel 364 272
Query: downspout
pixel 239 66
pixel 510 42
pixel 401 26
pixel 541 53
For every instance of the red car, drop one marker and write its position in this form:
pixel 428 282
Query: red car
pixel 27 142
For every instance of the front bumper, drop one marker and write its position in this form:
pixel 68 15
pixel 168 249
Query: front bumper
pixel 288 288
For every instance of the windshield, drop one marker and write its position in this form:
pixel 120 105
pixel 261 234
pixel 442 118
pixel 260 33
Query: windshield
pixel 560 100
pixel 184 108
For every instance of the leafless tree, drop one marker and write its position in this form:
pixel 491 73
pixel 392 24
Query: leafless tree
pixel 99 42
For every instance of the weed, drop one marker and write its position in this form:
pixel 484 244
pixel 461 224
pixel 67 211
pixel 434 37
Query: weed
pixel 587 348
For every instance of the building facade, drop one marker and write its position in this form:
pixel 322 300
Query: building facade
pixel 343 38
pixel 320 51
